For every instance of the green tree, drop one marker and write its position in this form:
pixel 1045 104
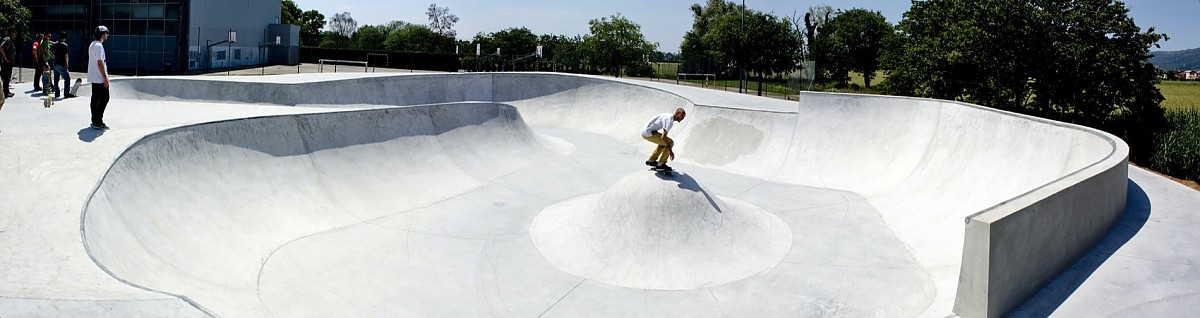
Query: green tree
pixel 370 37
pixel 1079 61
pixel 341 28
pixel 761 43
pixel 511 41
pixel 311 23
pixel 562 53
pixel 697 54
pixel 407 37
pixel 616 43
pixel 290 13
pixel 856 38
pixel 14 16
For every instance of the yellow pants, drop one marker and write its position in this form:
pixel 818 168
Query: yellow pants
pixel 664 149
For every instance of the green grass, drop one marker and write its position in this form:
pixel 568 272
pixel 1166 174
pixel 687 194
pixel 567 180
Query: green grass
pixel 1180 95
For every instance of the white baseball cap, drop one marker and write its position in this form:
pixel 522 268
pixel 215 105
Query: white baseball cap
pixel 101 29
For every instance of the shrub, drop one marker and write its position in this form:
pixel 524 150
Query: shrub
pixel 1178 149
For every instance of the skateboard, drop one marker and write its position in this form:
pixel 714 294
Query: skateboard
pixel 49 92
pixel 666 171
pixel 75 88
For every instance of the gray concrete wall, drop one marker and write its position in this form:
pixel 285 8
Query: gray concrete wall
pixel 1015 248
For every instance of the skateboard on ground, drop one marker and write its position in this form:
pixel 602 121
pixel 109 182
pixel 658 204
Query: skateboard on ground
pixel 75 88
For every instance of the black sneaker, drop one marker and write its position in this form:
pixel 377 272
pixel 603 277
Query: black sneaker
pixel 100 126
pixel 651 163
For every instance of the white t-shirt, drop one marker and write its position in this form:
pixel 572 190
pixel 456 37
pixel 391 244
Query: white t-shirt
pixel 663 121
pixel 96 53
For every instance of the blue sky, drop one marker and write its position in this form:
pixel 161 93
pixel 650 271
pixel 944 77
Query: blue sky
pixel 666 21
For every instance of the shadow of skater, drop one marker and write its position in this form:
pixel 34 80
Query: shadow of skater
pixel 1047 300
pixel 686 182
pixel 89 134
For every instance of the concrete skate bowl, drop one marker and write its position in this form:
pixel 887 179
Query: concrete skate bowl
pixel 520 195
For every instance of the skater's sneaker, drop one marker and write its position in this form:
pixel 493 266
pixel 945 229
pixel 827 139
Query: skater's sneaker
pixel 69 95
pixel 663 166
pixel 100 126
pixel 651 163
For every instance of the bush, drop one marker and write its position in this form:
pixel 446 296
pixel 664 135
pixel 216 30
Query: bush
pixel 1178 149
pixel 640 70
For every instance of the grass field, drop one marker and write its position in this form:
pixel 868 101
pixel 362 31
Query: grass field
pixel 1180 94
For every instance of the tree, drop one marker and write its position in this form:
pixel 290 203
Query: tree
pixel 290 13
pixel 341 28
pixel 562 53
pixel 730 37
pixel 370 37
pixel 342 24
pixel 616 43
pixel 767 46
pixel 441 21
pixel 857 37
pixel 1079 61
pixel 311 23
pixel 14 16
pixel 407 37
pixel 698 56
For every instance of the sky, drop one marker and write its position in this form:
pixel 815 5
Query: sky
pixel 665 21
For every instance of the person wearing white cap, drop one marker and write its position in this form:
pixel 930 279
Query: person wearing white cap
pixel 98 76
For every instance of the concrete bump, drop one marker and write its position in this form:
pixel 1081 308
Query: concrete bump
pixel 656 232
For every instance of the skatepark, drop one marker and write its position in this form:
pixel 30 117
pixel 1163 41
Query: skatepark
pixel 525 195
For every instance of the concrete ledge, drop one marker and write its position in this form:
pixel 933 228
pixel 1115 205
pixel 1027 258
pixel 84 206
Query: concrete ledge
pixel 1014 249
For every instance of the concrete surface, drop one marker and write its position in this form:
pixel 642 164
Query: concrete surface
pixel 427 211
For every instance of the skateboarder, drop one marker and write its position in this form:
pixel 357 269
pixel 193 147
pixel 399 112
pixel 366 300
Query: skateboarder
pixel 46 58
pixel 62 54
pixel 650 132
pixel 98 76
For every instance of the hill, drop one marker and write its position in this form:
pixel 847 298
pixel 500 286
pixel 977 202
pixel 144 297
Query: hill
pixel 1177 60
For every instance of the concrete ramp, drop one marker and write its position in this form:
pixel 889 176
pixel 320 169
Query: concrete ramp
pixel 839 205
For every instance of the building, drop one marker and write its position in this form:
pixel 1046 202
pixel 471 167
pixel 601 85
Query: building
pixel 1189 75
pixel 164 36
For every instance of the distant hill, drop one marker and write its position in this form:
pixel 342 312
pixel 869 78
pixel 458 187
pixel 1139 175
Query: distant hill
pixel 1177 60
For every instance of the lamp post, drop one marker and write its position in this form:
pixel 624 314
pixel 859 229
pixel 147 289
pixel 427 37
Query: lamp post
pixel 742 51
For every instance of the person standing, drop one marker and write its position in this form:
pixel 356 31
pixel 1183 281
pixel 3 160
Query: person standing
pixel 8 57
pixel 37 64
pixel 62 55
pixel 98 76
pixel 47 59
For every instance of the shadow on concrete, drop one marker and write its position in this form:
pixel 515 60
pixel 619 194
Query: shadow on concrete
pixel 1047 300
pixel 686 182
pixel 89 134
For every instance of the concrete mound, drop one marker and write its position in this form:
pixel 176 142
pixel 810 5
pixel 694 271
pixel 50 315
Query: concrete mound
pixel 660 233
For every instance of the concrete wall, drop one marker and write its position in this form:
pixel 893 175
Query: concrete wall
pixel 1015 248
pixel 1037 193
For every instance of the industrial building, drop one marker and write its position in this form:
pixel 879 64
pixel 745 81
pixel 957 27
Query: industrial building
pixel 167 36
